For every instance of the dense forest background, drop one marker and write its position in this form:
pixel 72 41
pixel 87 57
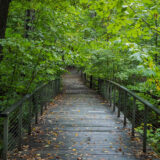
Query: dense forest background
pixel 117 40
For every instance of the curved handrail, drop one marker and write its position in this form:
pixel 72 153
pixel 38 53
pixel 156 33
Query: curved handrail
pixel 145 102
pixel 21 117
pixel 8 110
pixel 110 94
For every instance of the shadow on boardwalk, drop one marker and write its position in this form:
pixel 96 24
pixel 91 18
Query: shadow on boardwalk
pixel 79 126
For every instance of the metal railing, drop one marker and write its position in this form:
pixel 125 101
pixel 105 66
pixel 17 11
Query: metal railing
pixel 142 115
pixel 19 118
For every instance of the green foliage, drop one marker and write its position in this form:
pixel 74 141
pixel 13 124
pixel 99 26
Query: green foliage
pixel 117 40
pixel 153 136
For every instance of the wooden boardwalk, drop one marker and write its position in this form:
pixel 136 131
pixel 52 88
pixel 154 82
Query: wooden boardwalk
pixel 80 126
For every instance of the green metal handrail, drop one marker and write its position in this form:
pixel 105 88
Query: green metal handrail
pixel 118 96
pixel 18 118
pixel 151 106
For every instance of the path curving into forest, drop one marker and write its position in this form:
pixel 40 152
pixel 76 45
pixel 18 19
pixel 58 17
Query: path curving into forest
pixel 79 126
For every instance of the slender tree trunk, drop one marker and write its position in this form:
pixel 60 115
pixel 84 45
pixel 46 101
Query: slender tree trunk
pixel 4 5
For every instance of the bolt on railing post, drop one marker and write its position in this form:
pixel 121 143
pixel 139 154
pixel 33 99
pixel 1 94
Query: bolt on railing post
pixel 5 138
pixel 119 102
pixel 91 81
pixel 133 116
pixel 114 99
pixel 125 109
pixel 145 130
pixel 20 128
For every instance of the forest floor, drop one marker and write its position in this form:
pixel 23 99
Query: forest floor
pixel 79 125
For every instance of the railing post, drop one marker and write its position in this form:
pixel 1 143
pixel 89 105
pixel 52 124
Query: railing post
pixel 133 116
pixel 85 76
pixel 119 102
pixel 111 95
pixel 114 99
pixel 56 87
pixel 55 84
pixel 46 96
pixel 5 137
pixel 107 91
pixel 145 130
pixel 34 102
pixel 99 85
pixel 41 101
pixel 59 85
pixel 29 119
pixel 20 128
pixel 103 86
pixel 125 107
pixel 91 81
pixel 52 89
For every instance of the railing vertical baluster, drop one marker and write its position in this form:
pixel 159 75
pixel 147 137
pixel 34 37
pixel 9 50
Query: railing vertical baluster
pixel 5 138
pixel 109 92
pixel 41 101
pixel 29 118
pixel 45 96
pixel 107 95
pixel 145 130
pixel 41 104
pixel 119 102
pixel 99 83
pixel 85 76
pixel 91 81
pixel 55 82
pixel 102 87
pixel 52 88
pixel 20 128
pixel 58 85
pixel 34 102
pixel 55 85
pixel 125 108
pixel 133 116
pixel 114 99
pixel 111 95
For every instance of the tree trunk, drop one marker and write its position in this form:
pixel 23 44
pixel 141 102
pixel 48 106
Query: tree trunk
pixel 4 5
